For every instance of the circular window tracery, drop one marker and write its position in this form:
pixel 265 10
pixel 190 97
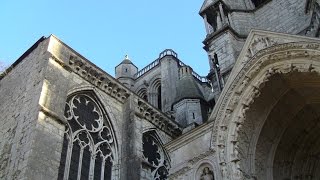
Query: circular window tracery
pixel 89 145
pixel 86 112
pixel 154 154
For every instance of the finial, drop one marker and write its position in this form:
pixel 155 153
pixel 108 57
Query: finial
pixel 126 57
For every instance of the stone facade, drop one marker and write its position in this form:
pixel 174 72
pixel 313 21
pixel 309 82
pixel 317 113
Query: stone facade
pixel 228 24
pixel 255 116
pixel 33 133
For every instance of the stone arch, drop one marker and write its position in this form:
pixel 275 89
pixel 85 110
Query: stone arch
pixel 240 125
pixel 90 145
pixel 143 93
pixel 199 168
pixel 155 92
pixel 155 155
pixel 105 106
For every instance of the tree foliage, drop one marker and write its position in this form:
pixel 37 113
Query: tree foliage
pixel 2 67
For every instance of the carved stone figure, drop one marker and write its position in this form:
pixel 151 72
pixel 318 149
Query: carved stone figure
pixel 207 174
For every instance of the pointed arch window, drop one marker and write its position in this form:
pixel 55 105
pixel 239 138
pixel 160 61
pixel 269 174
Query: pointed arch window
pixel 156 92
pixel 155 155
pixel 143 93
pixel 89 147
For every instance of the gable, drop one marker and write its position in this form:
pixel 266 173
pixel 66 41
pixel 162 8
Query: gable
pixel 258 41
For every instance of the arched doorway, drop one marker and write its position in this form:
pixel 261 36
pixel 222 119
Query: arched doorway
pixel 280 136
pixel 268 122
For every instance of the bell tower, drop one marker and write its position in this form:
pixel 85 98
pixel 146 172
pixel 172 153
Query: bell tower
pixel 219 41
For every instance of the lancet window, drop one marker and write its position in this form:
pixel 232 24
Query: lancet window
pixel 89 148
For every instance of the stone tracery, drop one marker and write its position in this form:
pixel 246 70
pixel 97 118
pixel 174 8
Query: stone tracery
pixel 155 155
pixel 89 149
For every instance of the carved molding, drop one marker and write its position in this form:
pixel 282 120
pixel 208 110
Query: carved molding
pixel 190 165
pixel 201 156
pixel 110 86
pixel 243 90
pixel 259 43
pixel 157 118
pixel 180 172
pixel 98 78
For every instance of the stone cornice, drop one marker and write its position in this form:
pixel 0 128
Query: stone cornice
pixel 189 136
pixel 180 172
pixel 201 156
pixel 189 165
pixel 99 79
pixel 160 120
pixel 95 76
pixel 219 32
pixel 74 62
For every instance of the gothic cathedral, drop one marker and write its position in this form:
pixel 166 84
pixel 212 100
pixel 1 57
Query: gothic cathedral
pixel 255 115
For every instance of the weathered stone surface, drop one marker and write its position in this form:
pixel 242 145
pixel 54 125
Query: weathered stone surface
pixel 264 125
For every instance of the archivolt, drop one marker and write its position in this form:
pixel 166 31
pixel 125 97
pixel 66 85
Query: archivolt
pixel 142 92
pixel 155 84
pixel 240 93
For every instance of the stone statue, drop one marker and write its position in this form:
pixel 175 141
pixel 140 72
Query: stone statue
pixel 207 174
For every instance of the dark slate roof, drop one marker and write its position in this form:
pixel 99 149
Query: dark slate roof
pixel 187 88
pixel 126 61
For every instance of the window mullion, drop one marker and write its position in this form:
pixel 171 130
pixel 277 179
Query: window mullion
pixel 68 158
pixel 80 161
pixel 102 168
pixel 92 163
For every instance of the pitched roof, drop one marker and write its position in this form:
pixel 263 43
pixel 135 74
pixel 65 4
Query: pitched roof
pixel 187 88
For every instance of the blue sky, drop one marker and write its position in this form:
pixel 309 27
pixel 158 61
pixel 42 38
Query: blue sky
pixel 104 31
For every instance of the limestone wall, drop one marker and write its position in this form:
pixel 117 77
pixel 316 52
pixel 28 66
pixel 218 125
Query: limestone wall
pixel 191 152
pixel 282 16
pixel 33 102
pixel 20 92
pixel 277 15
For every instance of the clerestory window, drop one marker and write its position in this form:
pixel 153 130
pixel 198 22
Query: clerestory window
pixel 89 144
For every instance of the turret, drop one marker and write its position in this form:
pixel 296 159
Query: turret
pixel 190 106
pixel 125 72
